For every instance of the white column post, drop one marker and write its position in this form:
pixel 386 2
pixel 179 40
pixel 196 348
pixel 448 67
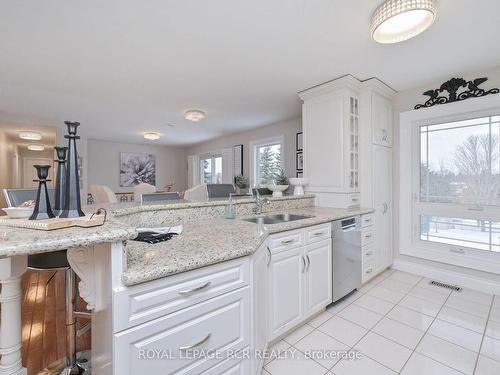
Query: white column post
pixel 11 270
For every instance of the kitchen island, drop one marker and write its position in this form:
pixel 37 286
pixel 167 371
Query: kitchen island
pixel 143 295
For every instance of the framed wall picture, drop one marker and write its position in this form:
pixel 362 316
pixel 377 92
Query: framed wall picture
pixel 299 174
pixel 238 160
pixel 299 162
pixel 298 142
pixel 136 168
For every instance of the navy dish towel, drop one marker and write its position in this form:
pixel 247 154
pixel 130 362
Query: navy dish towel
pixel 153 237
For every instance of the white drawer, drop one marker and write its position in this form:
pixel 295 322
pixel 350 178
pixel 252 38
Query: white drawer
pixel 353 199
pixel 366 236
pixel 230 367
pixel 366 220
pixel 367 253
pixel 368 270
pixel 222 323
pixel 286 240
pixel 317 233
pixel 144 302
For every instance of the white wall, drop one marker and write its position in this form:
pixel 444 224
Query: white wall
pixel 103 164
pixel 286 128
pixel 6 166
pixel 405 101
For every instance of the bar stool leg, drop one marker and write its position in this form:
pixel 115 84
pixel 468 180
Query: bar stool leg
pixel 72 366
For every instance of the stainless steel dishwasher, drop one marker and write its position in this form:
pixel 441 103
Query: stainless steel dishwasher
pixel 346 237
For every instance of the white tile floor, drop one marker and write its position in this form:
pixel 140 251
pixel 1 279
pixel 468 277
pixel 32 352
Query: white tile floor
pixel 399 324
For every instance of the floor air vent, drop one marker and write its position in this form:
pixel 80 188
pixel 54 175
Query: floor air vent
pixel 447 286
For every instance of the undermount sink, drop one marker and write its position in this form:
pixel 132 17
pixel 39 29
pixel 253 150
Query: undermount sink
pixel 276 218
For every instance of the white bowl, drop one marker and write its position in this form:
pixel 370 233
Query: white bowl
pixel 299 183
pixel 18 212
pixel 277 189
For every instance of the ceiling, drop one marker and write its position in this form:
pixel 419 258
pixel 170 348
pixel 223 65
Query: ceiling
pixel 122 67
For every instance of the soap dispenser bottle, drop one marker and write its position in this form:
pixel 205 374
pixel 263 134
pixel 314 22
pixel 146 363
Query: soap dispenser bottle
pixel 230 211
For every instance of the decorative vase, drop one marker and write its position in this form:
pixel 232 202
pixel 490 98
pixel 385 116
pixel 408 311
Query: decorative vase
pixel 60 193
pixel 298 183
pixel 72 203
pixel 42 208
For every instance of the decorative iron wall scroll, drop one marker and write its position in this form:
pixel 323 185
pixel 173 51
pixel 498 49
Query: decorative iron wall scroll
pixel 457 89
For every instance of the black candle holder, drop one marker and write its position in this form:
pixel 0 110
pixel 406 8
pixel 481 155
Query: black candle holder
pixel 42 207
pixel 72 203
pixel 60 193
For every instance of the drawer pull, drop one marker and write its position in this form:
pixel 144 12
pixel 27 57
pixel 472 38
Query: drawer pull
pixel 369 252
pixel 354 199
pixel 369 270
pixel 285 242
pixel 368 220
pixel 206 285
pixel 187 347
pixel 368 236
pixel 319 233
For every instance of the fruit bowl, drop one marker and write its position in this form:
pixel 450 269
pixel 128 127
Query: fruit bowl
pixel 277 189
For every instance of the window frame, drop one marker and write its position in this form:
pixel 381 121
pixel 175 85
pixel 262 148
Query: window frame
pixel 410 206
pixel 211 156
pixel 255 145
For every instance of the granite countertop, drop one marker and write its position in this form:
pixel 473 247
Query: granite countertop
pixel 121 209
pixel 19 241
pixel 214 241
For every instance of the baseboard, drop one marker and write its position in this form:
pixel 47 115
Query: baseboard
pixel 447 276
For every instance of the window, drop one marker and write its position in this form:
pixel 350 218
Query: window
pixel 267 160
pixel 211 169
pixel 459 183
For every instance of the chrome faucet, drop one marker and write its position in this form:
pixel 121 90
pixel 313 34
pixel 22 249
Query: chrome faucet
pixel 259 202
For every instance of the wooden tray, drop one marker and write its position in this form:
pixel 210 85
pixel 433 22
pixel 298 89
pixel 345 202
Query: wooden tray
pixel 57 223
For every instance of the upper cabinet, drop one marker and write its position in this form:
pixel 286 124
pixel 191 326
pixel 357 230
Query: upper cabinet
pixel 381 120
pixel 331 127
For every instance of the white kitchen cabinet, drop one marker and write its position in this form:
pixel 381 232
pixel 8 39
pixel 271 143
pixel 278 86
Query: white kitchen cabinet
pixel 331 128
pixel 259 281
pixel 300 278
pixel 382 203
pixel 381 120
pixel 318 276
pixel 285 290
pixel 221 323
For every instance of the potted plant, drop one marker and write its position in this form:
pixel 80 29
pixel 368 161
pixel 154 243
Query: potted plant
pixel 280 184
pixel 241 183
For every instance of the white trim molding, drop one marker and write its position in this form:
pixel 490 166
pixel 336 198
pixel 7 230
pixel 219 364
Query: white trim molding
pixel 447 276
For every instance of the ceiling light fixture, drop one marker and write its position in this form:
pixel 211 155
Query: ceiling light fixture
pixel 152 136
pixel 194 115
pixel 30 136
pixel 398 20
pixel 36 147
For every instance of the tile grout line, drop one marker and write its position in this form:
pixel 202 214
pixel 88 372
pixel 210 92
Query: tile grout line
pixel 426 332
pixel 484 333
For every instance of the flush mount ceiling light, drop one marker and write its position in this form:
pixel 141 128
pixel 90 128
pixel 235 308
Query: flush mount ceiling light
pixel 30 136
pixel 398 20
pixel 152 136
pixel 36 147
pixel 194 115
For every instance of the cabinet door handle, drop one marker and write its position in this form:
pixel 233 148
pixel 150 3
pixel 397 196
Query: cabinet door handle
pixel 204 339
pixel 303 264
pixel 308 262
pixel 269 255
pixel 206 285
pixel 285 242
pixel 368 236
pixel 319 233
pixel 369 252
pixel 369 270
